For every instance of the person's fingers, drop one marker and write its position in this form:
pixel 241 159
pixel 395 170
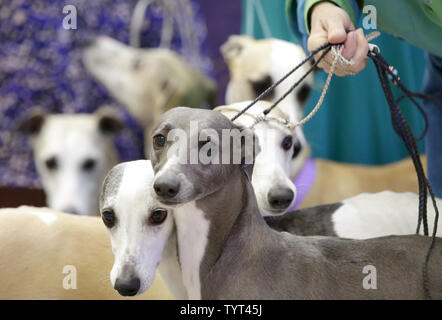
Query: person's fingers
pixel 360 57
pixel 350 45
pixel 336 29
pixel 316 39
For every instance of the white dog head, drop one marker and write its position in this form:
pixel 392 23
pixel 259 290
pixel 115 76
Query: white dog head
pixel 280 144
pixel 254 65
pixel 73 153
pixel 139 227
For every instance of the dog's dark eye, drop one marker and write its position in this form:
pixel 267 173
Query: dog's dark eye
pixel 296 149
pixel 108 217
pixel 287 142
pixel 88 164
pixel 157 216
pixel 159 141
pixel 51 163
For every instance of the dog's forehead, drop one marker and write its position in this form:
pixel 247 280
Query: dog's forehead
pixel 111 184
pixel 181 117
pixel 129 185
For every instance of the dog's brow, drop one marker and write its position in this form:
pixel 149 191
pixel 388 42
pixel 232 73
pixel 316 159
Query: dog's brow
pixel 165 126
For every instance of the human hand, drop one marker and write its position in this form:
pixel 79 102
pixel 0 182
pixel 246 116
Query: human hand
pixel 331 23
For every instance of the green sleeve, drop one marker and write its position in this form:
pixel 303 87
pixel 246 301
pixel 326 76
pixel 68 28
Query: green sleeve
pixel 343 4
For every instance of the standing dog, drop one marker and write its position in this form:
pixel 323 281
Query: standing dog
pixel 72 154
pixel 139 226
pixel 219 232
pixel 147 81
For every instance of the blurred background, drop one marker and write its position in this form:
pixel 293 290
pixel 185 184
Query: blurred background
pixel 40 66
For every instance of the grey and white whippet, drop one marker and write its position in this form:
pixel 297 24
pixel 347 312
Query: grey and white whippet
pixel 128 204
pixel 220 231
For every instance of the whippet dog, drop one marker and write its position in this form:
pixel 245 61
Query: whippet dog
pixel 220 231
pixel 140 229
pixel 147 82
pixel 254 65
pixel 283 153
pixel 127 205
pixel 73 153
pixel 47 254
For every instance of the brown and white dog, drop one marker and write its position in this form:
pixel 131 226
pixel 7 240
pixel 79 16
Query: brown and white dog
pixel 48 254
pixel 147 82
pixel 254 65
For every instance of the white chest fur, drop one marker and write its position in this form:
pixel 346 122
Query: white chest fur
pixel 193 229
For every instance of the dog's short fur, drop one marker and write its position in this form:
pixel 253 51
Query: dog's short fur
pixel 129 185
pixel 220 231
pixel 40 247
pixel 73 153
pixel 147 81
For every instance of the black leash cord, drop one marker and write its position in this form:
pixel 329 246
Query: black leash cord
pixel 403 130
pixel 400 125
pixel 326 46
pixel 266 111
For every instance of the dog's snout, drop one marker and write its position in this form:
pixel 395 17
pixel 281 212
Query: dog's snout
pixel 280 198
pixel 127 287
pixel 166 186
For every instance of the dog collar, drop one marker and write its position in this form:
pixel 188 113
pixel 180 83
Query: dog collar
pixel 284 122
pixel 304 182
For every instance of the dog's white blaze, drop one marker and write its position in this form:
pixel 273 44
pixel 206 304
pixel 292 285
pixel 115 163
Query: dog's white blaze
pixel 47 217
pixel 193 231
pixel 374 215
pixel 134 241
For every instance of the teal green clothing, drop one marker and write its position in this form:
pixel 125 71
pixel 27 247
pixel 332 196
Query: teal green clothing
pixel 419 22
pixel 353 125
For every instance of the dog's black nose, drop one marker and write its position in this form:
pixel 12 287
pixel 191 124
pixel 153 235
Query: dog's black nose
pixel 280 198
pixel 166 186
pixel 127 287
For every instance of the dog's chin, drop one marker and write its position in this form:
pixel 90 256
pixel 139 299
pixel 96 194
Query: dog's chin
pixel 172 203
pixel 179 199
pixel 265 212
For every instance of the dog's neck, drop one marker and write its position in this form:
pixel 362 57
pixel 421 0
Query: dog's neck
pixel 205 227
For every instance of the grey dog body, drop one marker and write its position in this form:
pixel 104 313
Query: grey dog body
pixel 245 259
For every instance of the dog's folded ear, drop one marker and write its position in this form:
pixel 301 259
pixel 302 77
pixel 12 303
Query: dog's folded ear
pixel 234 45
pixel 33 123
pixel 109 123
pixel 249 150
